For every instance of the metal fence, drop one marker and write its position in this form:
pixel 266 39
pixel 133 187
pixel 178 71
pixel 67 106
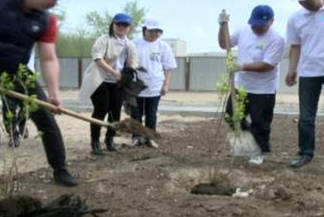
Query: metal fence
pixel 192 74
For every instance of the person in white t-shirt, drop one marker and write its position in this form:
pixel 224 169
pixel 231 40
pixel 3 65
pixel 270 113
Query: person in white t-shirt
pixel 157 58
pixel 305 32
pixel 260 50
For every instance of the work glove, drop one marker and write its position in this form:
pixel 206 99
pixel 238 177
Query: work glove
pixel 223 17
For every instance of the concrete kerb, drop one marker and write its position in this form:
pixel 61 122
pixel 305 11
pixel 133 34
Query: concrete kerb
pixel 193 110
pixel 203 104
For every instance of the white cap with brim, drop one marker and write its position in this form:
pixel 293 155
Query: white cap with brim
pixel 152 24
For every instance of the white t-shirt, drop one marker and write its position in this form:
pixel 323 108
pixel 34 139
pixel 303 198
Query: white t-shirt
pixel 99 50
pixel 120 62
pixel 156 57
pixel 252 48
pixel 306 28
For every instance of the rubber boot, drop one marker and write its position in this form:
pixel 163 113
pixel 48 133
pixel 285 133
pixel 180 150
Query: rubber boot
pixel 96 148
pixel 109 141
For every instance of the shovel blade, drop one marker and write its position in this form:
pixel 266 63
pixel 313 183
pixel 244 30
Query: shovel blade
pixel 130 125
pixel 243 144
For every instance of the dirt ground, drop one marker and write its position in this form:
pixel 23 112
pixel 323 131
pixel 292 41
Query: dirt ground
pixel 142 181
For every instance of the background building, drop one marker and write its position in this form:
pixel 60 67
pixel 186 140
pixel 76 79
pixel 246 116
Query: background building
pixel 178 46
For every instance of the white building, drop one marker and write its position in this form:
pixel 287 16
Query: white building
pixel 178 46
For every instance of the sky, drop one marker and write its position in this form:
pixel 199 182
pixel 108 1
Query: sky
pixel 195 22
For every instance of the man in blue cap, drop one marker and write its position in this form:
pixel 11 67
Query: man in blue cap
pixel 260 51
pixel 305 33
pixel 22 24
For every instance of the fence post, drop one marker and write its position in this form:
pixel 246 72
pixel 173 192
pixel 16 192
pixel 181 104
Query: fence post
pixel 187 74
pixel 80 70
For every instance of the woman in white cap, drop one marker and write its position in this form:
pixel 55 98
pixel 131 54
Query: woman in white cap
pixel 110 54
pixel 157 58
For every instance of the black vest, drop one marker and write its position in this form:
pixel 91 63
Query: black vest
pixel 18 33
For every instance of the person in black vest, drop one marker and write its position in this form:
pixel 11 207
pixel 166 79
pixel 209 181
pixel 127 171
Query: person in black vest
pixel 22 24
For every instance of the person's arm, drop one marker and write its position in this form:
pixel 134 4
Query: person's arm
pixel 165 87
pixel 223 19
pixel 50 69
pixel 271 58
pixel 257 67
pixel 221 36
pixel 109 69
pixel 293 63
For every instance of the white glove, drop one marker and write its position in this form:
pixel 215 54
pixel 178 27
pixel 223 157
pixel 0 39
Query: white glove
pixel 223 17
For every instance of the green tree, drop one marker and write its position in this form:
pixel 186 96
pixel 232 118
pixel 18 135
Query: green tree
pixel 60 13
pixel 100 23
pixel 76 44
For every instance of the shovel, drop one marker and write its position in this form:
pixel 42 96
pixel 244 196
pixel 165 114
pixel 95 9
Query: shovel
pixel 242 142
pixel 127 125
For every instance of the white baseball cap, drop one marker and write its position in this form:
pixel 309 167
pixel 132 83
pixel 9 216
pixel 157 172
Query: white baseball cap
pixel 152 24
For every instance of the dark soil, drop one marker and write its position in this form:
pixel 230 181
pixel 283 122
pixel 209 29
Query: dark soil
pixel 143 181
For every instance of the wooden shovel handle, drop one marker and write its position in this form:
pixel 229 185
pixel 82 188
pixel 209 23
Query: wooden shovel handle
pixel 231 76
pixel 50 106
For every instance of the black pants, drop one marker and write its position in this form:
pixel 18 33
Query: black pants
pixel 46 124
pixel 147 106
pixel 107 99
pixel 309 92
pixel 260 108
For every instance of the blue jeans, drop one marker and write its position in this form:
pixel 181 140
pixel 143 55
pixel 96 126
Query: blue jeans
pixel 147 106
pixel 309 93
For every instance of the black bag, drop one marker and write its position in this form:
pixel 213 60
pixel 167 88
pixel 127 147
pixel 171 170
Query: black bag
pixel 131 85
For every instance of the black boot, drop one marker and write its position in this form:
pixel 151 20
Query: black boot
pixel 96 148
pixel 63 177
pixel 109 141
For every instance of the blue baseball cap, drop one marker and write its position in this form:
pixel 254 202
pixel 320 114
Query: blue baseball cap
pixel 122 18
pixel 261 15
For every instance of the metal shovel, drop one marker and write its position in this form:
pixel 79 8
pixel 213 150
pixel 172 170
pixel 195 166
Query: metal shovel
pixel 242 142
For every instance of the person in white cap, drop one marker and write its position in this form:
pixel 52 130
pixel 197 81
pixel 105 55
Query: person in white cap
pixel 157 58
pixel 305 32
pixel 260 50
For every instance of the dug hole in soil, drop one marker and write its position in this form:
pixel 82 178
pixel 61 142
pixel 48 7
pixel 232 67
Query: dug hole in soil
pixel 142 181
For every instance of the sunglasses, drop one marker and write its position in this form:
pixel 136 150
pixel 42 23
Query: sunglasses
pixel 122 24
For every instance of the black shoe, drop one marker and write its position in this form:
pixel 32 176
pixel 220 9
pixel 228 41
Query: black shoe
pixel 63 177
pixel 96 148
pixel 109 141
pixel 300 161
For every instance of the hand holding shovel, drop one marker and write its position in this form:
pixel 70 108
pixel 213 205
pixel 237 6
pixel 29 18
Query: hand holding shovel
pixel 127 125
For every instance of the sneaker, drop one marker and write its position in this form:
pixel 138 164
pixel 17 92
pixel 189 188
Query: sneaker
pixel 151 143
pixel 300 161
pixel 258 160
pixel 135 142
pixel 63 177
